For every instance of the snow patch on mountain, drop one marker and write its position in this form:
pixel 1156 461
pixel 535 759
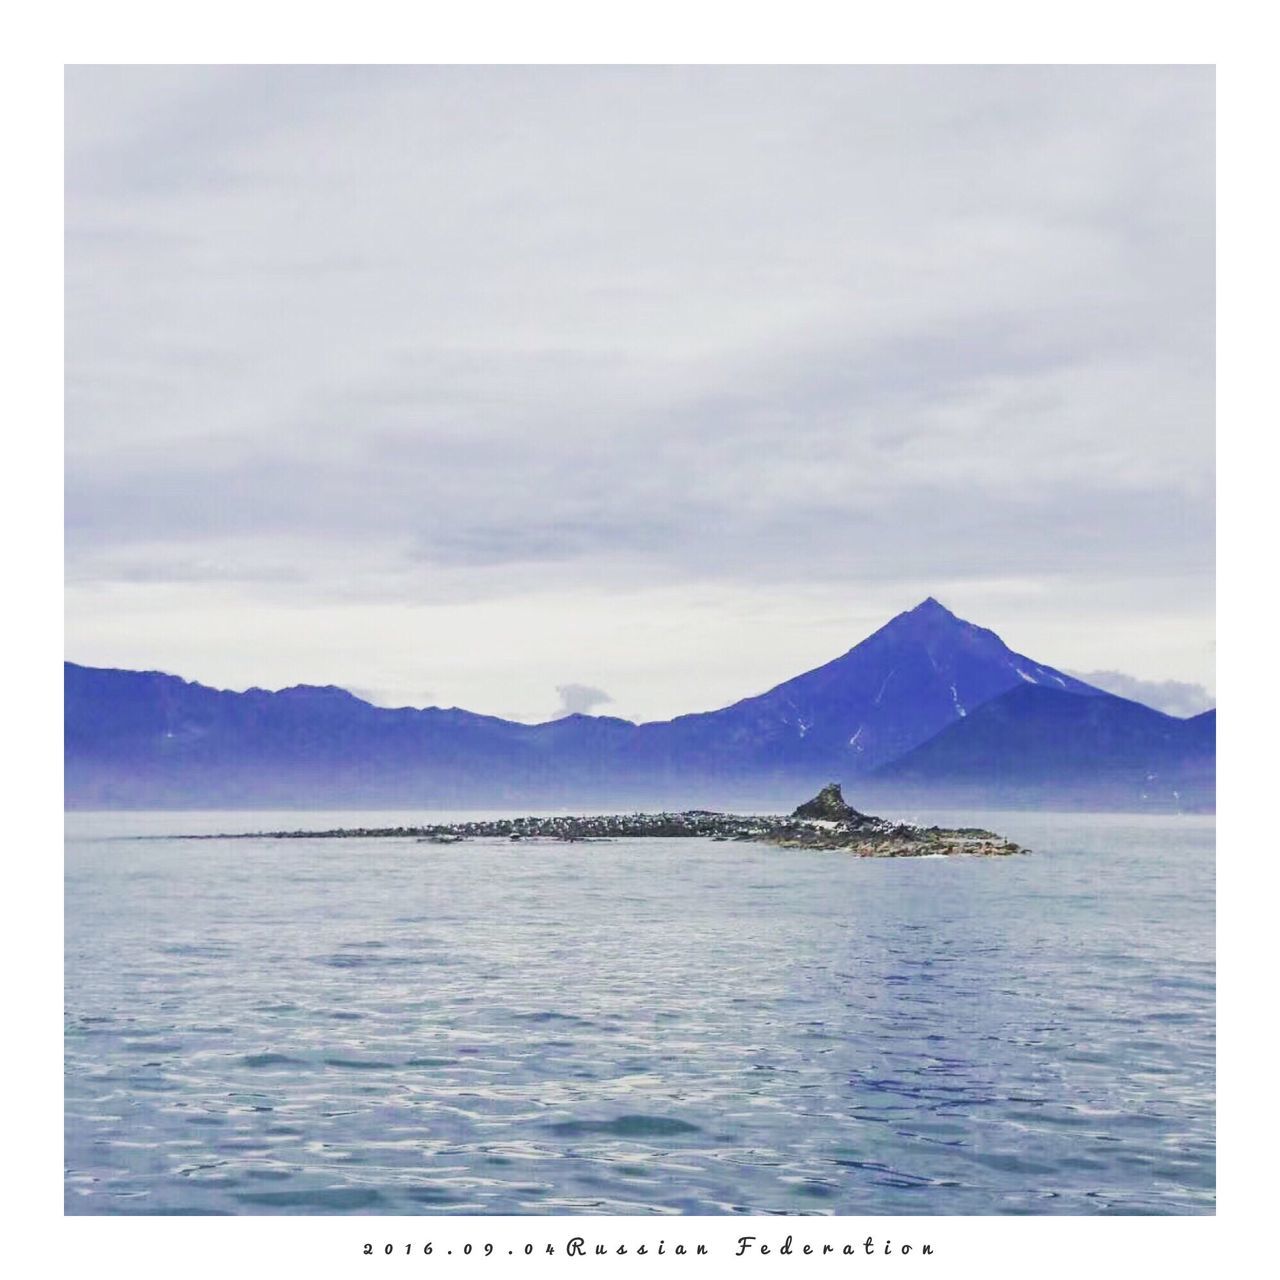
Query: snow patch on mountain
pixel 885 685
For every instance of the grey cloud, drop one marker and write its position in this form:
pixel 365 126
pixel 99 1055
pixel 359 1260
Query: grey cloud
pixel 467 333
pixel 579 699
pixel 1174 697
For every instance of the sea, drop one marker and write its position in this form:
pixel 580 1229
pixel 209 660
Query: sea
pixel 389 1026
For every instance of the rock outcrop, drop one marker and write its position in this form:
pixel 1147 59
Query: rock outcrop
pixel 828 806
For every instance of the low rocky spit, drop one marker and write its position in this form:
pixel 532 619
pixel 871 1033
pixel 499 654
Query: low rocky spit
pixel 825 822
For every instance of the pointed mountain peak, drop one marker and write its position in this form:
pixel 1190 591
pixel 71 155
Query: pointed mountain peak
pixel 929 607
pixel 928 616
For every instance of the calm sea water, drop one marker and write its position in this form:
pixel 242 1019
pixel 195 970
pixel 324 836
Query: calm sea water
pixel 383 1026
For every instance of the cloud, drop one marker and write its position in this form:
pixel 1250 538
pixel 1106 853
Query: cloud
pixel 439 336
pixel 579 699
pixel 1174 697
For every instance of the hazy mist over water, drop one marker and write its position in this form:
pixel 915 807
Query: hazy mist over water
pixel 392 1027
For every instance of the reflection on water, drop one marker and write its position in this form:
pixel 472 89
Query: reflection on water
pixel 655 1026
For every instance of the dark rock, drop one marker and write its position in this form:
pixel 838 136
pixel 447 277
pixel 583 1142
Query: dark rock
pixel 828 805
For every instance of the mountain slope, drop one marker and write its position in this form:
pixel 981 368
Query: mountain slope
pixel 1040 745
pixel 923 670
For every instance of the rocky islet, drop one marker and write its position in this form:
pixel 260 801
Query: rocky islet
pixel 826 822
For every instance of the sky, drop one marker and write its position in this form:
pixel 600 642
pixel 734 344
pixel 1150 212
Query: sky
pixel 634 390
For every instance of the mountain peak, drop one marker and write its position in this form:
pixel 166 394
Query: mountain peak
pixel 930 607
pixel 929 617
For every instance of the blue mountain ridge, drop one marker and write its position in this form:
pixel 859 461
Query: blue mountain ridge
pixel 150 740
pixel 1036 746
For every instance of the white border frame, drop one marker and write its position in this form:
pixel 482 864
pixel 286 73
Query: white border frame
pixel 38 1234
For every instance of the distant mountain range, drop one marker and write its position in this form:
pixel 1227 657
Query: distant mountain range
pixel 929 709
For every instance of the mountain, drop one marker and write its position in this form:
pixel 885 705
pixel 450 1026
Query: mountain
pixel 1036 746
pixel 923 670
pixel 146 739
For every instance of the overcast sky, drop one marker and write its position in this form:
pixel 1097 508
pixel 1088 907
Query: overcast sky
pixel 521 389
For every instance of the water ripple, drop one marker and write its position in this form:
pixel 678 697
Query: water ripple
pixel 294 1027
